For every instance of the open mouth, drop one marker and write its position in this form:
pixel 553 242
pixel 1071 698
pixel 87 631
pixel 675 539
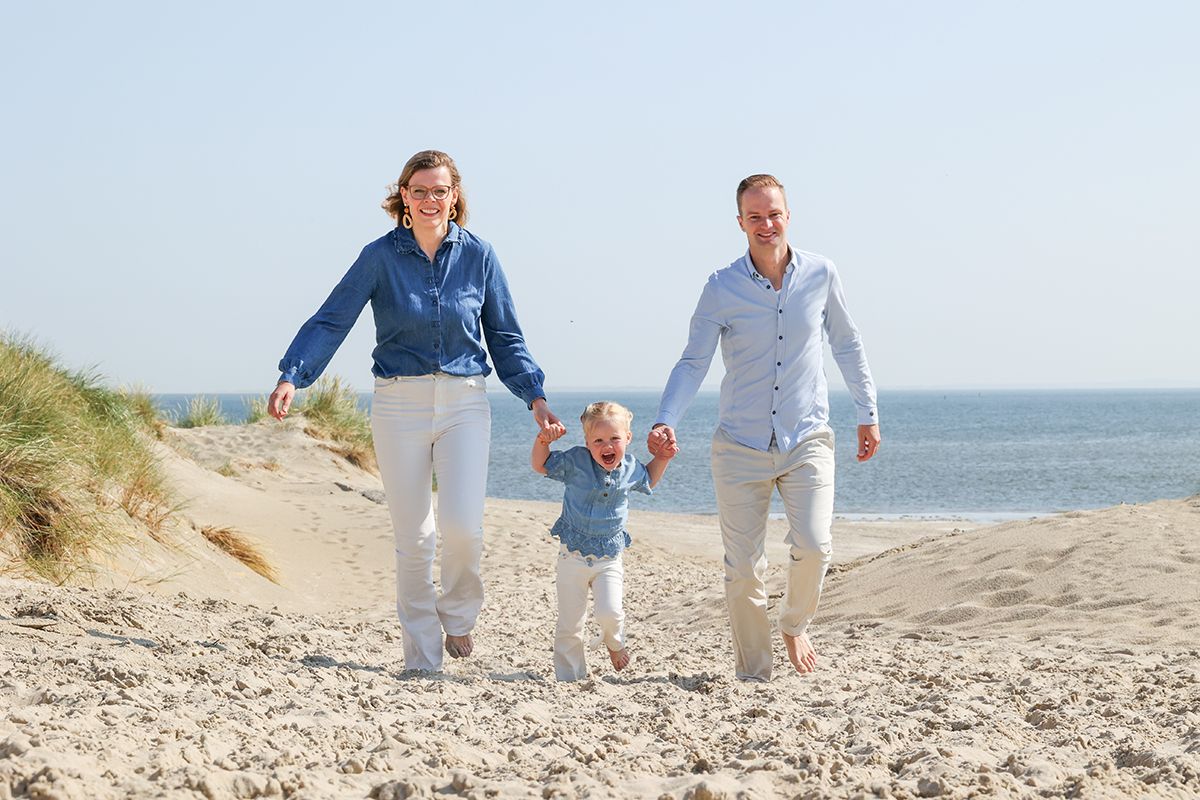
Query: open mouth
pixel 430 212
pixel 609 459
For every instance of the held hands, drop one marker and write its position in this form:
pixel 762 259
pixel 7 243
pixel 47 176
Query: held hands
pixel 549 424
pixel 281 400
pixel 868 441
pixel 661 442
pixel 556 430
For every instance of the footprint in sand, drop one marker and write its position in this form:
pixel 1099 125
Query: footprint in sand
pixel 1004 579
pixel 1005 598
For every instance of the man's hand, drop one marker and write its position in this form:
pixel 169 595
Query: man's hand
pixel 661 441
pixel 868 441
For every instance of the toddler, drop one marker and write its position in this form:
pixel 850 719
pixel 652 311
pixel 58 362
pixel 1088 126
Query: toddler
pixel 591 528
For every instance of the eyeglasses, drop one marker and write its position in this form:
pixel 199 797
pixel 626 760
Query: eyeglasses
pixel 421 192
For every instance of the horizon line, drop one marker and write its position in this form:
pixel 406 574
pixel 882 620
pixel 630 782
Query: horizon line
pixel 499 388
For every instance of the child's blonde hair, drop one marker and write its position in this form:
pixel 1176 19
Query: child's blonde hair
pixel 605 409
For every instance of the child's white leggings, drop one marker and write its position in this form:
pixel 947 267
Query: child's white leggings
pixel 576 574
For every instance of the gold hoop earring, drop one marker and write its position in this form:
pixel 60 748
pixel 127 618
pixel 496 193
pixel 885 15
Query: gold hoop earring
pixel 453 212
pixel 406 220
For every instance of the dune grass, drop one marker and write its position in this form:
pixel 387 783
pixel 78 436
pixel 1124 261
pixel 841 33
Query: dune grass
pixel 331 412
pixel 72 454
pixel 142 404
pixel 242 548
pixel 256 410
pixel 202 411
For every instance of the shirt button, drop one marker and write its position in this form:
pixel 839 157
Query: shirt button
pixel 777 388
pixel 779 363
pixel 772 413
pixel 781 338
pixel 606 494
pixel 781 311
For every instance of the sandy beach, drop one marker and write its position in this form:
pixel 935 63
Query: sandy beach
pixel 1052 657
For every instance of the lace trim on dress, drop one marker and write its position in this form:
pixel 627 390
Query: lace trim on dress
pixel 588 545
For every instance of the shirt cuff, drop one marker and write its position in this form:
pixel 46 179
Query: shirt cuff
pixel 289 376
pixel 868 416
pixel 534 393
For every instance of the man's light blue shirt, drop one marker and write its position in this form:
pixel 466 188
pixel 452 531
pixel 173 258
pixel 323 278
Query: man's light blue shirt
pixel 430 316
pixel 772 344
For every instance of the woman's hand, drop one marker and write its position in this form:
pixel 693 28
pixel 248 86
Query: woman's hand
pixel 281 399
pixel 556 431
pixel 545 418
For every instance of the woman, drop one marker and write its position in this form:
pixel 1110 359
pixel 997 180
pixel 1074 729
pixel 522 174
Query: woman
pixel 434 288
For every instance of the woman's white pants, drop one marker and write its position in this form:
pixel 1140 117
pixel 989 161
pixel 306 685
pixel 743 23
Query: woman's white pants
pixel 424 425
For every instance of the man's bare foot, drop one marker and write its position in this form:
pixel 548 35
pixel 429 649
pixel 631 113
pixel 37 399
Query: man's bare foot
pixel 619 658
pixel 800 652
pixel 459 646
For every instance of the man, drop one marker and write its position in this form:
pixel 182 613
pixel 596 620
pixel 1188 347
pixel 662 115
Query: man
pixel 771 311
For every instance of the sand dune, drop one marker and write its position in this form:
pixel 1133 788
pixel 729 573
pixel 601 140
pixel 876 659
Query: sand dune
pixel 1054 657
pixel 1124 575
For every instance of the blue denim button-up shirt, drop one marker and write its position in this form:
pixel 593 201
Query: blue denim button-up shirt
pixel 596 501
pixel 429 316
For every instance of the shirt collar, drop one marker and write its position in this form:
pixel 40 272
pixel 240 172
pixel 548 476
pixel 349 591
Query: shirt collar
pixel 407 243
pixel 748 265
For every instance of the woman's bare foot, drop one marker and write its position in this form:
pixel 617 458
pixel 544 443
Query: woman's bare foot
pixel 619 658
pixel 800 652
pixel 459 646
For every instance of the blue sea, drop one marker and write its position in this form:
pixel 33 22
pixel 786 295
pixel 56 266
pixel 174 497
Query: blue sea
pixel 987 455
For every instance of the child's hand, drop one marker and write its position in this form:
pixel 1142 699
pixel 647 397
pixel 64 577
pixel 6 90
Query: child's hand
pixel 556 430
pixel 668 451
pixel 660 436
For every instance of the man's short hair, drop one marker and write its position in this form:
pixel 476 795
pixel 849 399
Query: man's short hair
pixel 757 181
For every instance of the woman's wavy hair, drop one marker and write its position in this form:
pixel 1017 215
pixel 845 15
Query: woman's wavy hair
pixel 426 159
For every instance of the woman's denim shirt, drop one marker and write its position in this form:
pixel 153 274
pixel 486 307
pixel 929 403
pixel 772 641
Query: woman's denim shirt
pixel 429 316
pixel 596 502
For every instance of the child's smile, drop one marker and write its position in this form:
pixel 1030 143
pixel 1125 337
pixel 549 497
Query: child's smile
pixel 606 441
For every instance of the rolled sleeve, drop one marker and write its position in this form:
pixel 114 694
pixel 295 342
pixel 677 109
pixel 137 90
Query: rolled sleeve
pixel 515 367
pixel 640 479
pixel 558 466
pixel 319 338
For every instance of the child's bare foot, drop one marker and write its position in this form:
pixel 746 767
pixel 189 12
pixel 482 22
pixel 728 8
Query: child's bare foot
pixel 800 652
pixel 459 646
pixel 619 658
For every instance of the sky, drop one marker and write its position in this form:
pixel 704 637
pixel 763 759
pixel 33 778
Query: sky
pixel 1009 189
